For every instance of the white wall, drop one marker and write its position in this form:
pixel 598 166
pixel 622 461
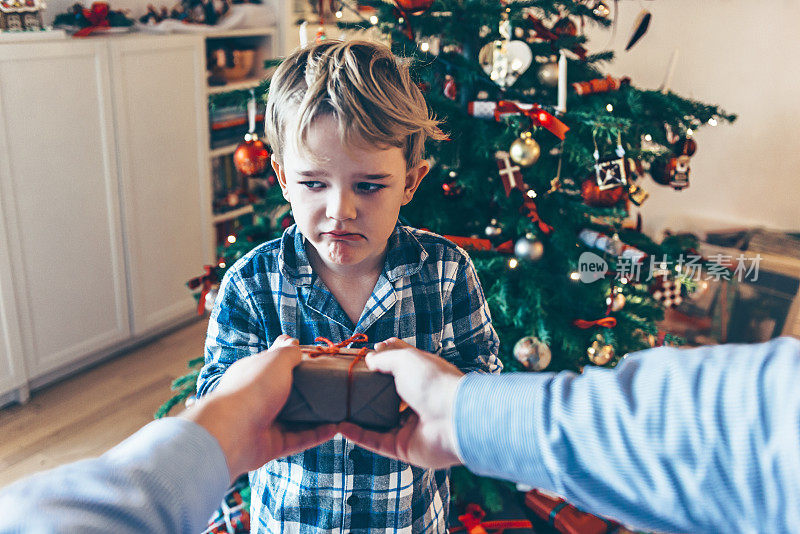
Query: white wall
pixel 745 57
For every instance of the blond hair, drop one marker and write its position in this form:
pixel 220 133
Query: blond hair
pixel 362 85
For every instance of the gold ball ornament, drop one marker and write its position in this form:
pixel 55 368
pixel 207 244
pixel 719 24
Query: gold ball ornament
pixel 599 353
pixel 524 151
pixel 618 302
pixel 532 353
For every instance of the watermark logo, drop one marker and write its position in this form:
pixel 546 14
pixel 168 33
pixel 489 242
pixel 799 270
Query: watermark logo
pixel 591 267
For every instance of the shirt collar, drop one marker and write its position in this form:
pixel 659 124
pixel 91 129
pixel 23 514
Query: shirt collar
pixel 405 256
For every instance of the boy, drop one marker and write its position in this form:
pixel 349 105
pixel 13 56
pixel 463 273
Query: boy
pixel 347 126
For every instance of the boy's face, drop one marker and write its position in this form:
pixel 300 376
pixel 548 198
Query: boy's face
pixel 346 200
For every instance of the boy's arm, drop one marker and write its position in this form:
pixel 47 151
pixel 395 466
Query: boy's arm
pixel 234 332
pixel 469 342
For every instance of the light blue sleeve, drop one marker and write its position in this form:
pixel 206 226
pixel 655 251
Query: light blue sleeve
pixel 168 477
pixel 697 440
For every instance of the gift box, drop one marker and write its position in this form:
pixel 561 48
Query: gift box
pixel 333 384
pixel 566 518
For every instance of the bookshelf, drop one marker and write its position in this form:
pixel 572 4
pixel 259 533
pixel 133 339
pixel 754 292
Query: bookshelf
pixel 232 194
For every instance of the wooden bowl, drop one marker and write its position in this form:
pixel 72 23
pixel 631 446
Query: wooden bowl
pixel 242 65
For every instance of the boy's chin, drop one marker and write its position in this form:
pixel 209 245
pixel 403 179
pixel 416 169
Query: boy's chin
pixel 343 253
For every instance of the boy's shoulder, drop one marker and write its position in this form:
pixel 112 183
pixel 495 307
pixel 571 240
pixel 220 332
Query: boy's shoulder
pixel 437 247
pixel 263 257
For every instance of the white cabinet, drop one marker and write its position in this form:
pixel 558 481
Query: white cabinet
pixel 61 201
pixel 12 371
pixel 104 198
pixel 162 131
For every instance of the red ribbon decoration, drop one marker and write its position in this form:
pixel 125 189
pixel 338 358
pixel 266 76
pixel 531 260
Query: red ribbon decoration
pixel 605 322
pixel 333 348
pixel 533 214
pixel 538 116
pixel 474 524
pixel 475 243
pixel 97 16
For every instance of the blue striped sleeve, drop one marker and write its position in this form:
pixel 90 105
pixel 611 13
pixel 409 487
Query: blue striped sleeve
pixel 697 440
pixel 167 477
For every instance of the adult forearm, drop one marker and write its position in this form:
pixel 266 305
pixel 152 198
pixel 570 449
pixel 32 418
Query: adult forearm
pixel 168 477
pixel 697 440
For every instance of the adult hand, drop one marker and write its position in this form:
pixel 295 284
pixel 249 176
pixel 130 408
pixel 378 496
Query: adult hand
pixel 428 384
pixel 240 413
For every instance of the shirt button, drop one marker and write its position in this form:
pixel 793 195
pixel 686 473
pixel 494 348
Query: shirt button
pixel 352 500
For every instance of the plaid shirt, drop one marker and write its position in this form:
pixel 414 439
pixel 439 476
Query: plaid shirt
pixel 428 295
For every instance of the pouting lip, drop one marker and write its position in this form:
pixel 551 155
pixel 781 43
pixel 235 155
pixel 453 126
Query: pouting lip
pixel 339 233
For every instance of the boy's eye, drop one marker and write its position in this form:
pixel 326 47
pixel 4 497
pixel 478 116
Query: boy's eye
pixel 369 187
pixel 312 184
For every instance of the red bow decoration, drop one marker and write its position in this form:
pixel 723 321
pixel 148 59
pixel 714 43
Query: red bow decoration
pixel 97 16
pixel 543 33
pixel 538 116
pixel 333 348
pixel 605 322
pixel 474 524
pixel 207 281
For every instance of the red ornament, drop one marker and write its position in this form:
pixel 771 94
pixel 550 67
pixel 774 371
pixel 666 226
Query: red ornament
pixel 251 156
pixel 593 196
pixel 414 7
pixel 450 90
pixel 452 190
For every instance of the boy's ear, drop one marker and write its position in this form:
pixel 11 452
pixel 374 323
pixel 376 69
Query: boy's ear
pixel 280 175
pixel 414 178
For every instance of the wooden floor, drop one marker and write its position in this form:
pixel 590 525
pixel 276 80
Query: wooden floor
pixel 85 415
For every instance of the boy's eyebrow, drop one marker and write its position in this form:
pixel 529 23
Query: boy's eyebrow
pixel 362 176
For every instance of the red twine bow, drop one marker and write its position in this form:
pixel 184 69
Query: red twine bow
pixel 474 524
pixel 606 322
pixel 538 116
pixel 97 16
pixel 333 348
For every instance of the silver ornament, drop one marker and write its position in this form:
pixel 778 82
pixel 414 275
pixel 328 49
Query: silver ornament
pixel 528 248
pixel 532 353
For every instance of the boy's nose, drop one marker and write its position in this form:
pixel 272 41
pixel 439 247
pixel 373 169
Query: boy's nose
pixel 341 206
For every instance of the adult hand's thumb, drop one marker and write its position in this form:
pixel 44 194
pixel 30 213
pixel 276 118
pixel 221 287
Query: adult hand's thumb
pixel 388 361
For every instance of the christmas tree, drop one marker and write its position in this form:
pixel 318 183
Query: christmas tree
pixel 546 159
